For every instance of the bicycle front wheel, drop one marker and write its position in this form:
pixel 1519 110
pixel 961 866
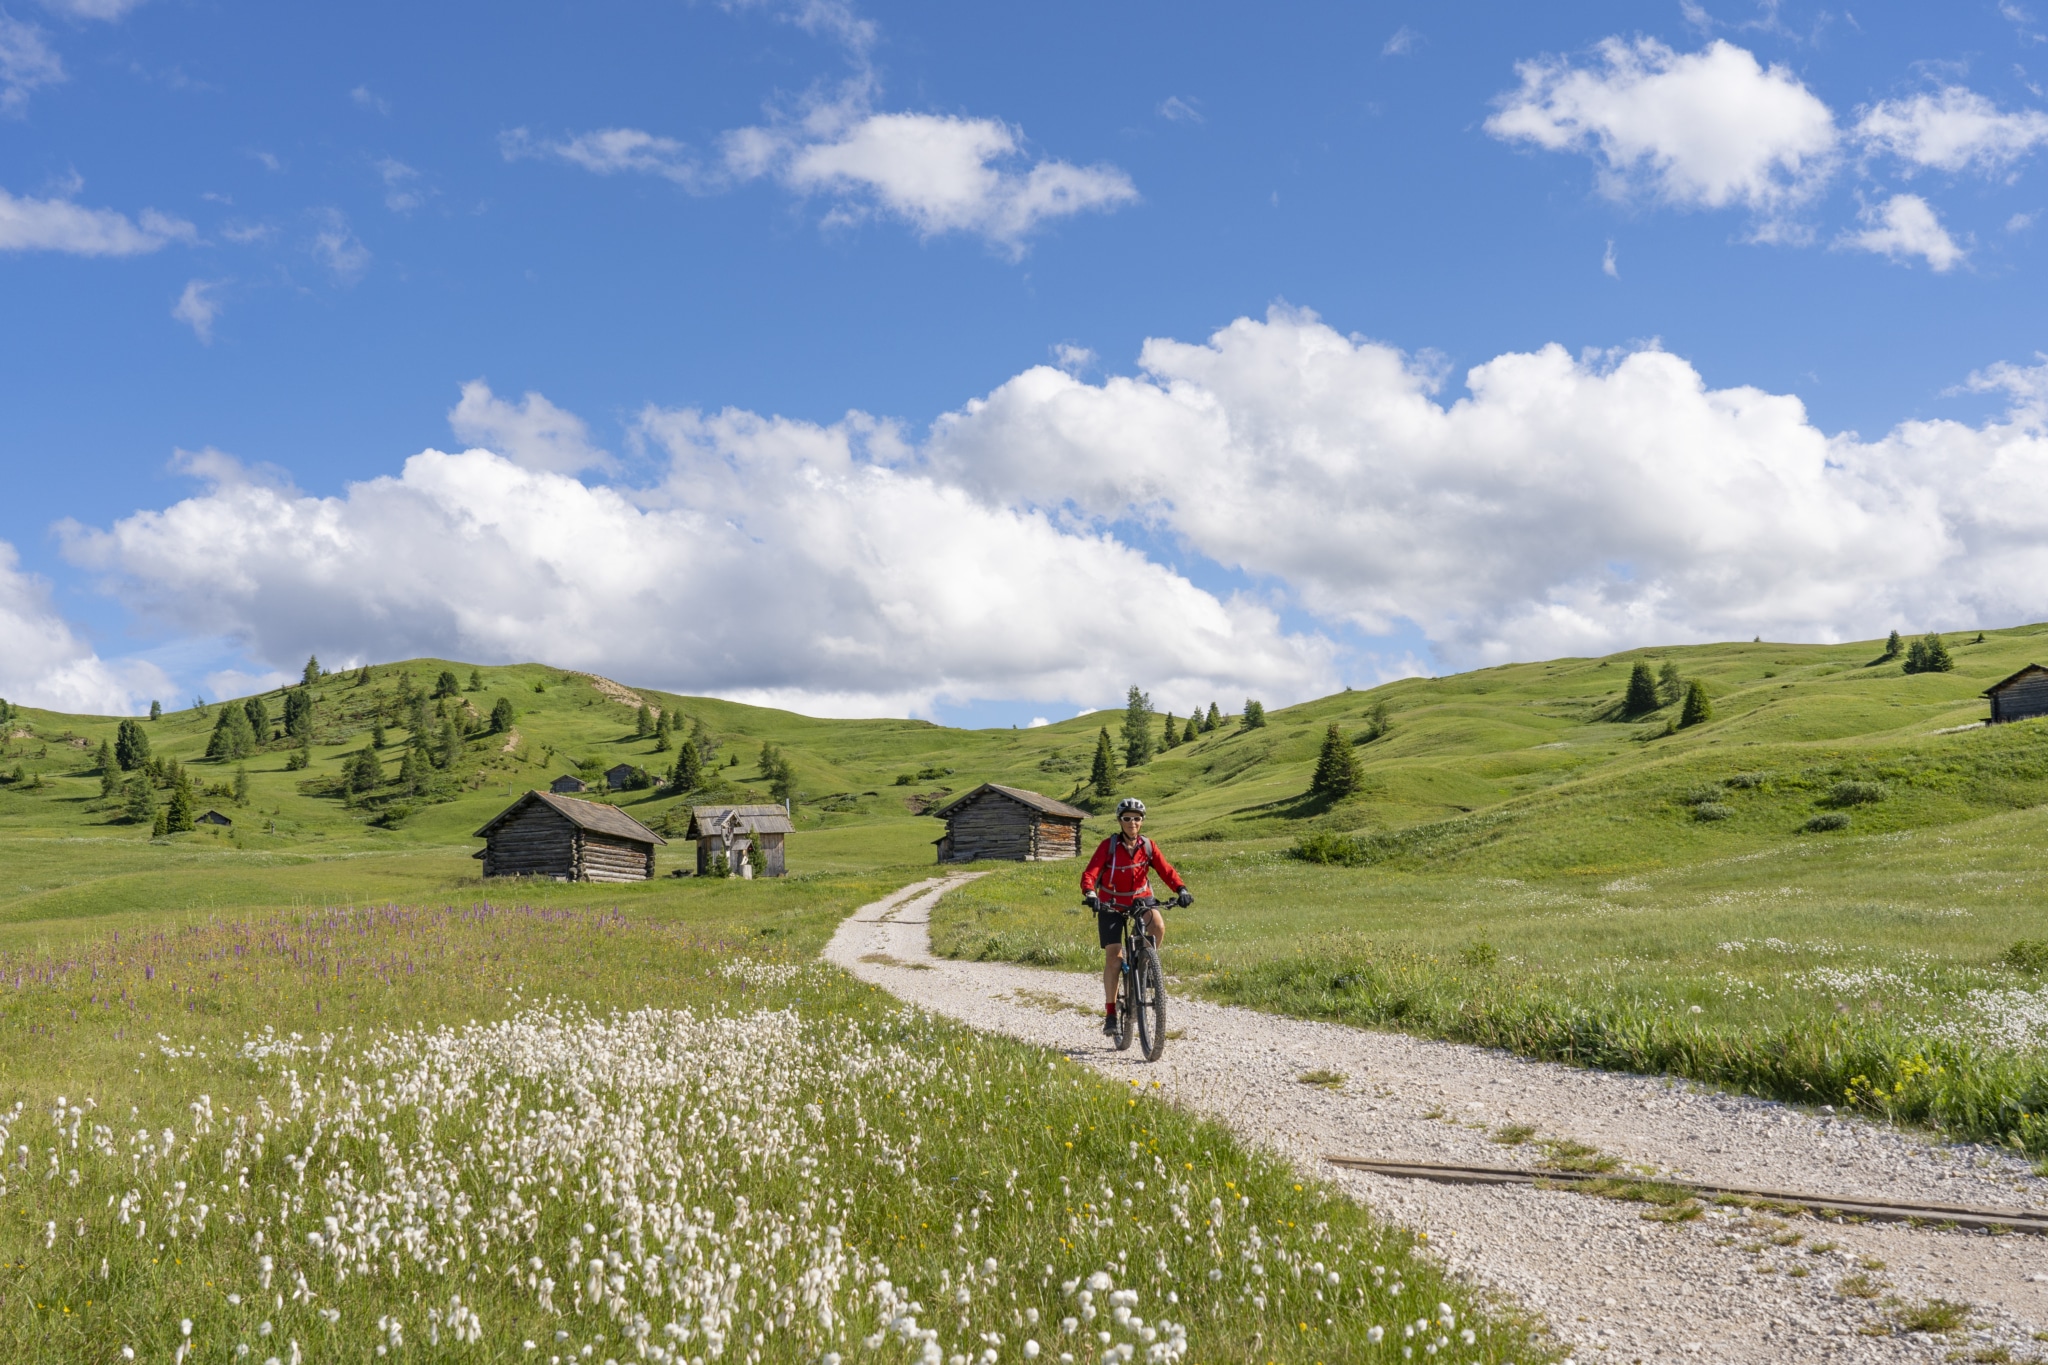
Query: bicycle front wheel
pixel 1150 988
pixel 1126 1006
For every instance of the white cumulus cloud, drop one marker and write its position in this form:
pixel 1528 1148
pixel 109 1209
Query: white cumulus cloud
pixel 29 224
pixel 1954 129
pixel 532 433
pixel 336 246
pixel 1905 226
pixel 610 151
pixel 44 663
pixel 26 64
pixel 197 308
pixel 1705 129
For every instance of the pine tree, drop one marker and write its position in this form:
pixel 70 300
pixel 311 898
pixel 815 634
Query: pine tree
pixel 1929 655
pixel 1336 775
pixel 104 761
pixel 446 685
pixel 1670 686
pixel 232 737
pixel 1698 710
pixel 689 769
pixel 756 859
pixel 476 681
pixel 662 742
pixel 298 715
pixel 1103 776
pixel 501 716
pixel 781 778
pixel 1171 737
pixel 179 813
pixel 311 673
pixel 1188 735
pixel 241 786
pixel 1377 722
pixel 643 722
pixel 1641 698
pixel 131 745
pixel 156 710
pixel 1212 720
pixel 702 742
pixel 110 782
pixel 378 739
pixel 1137 728
pixel 364 772
pixel 1893 646
pixel 449 747
pixel 259 718
pixel 363 676
pixel 410 771
pixel 1254 717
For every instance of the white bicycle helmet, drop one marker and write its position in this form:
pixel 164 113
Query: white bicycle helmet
pixel 1130 805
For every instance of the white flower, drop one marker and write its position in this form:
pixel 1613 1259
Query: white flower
pixel 1030 1352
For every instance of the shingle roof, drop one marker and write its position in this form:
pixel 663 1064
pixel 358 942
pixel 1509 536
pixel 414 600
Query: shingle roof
pixel 754 819
pixel 2007 682
pixel 1034 800
pixel 591 815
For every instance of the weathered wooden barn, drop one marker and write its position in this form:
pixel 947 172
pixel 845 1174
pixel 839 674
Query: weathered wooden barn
pixel 994 821
pixel 731 830
pixel 545 835
pixel 565 784
pixel 2022 695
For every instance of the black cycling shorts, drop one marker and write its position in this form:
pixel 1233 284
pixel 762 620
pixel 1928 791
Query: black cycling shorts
pixel 1109 927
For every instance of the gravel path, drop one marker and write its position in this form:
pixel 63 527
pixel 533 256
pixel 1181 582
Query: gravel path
pixel 1614 1286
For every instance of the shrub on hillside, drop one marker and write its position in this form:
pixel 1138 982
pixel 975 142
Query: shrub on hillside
pixel 1339 850
pixel 1827 820
pixel 1711 810
pixel 1700 796
pixel 1747 781
pixel 2027 955
pixel 1857 793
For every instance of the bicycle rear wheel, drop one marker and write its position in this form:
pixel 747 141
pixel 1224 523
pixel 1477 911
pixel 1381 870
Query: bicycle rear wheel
pixel 1126 1006
pixel 1150 985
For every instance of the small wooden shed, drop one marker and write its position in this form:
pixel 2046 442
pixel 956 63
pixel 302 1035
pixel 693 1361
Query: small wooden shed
pixel 545 835
pixel 565 784
pixel 2022 695
pixel 995 821
pixel 731 830
pixel 213 817
pixel 619 776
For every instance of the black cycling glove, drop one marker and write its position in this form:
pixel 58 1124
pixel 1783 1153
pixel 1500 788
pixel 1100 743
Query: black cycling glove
pixel 1088 899
pixel 1185 898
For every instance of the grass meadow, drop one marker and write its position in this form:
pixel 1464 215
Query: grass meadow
pixel 520 1131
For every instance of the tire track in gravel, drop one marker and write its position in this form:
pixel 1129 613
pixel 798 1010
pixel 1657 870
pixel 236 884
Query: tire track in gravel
pixel 1613 1286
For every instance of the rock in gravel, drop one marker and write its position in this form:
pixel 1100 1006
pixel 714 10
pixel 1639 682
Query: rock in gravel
pixel 1730 1285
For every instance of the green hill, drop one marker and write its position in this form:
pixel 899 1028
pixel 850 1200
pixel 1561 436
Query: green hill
pixel 1526 769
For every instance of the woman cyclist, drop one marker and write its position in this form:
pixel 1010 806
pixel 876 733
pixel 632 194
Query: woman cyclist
pixel 1117 878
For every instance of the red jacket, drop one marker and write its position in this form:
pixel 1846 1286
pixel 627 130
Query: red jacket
pixel 1121 873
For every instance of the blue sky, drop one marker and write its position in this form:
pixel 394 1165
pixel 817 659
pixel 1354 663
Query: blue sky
pixel 251 258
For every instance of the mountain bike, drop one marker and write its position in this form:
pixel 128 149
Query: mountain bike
pixel 1141 986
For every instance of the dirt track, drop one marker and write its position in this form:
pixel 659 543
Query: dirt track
pixel 1613 1285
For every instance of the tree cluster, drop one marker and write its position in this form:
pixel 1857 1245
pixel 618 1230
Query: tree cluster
pixel 1254 717
pixel 1928 654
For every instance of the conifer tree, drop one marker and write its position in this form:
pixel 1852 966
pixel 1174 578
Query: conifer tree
pixel 411 772
pixel 241 786
pixel 141 803
pixel 1336 775
pixel 1137 728
pixel 449 747
pixel 363 676
pixel 178 814
pixel 110 782
pixel 311 673
pixel 156 710
pixel 131 745
pixel 378 739
pixel 446 685
pixel 1893 646
pixel 232 737
pixel 1213 719
pixel 476 681
pixel 1171 737
pixel 1103 776
pixel 364 772
pixel 643 722
pixel 501 716
pixel 702 742
pixel 689 769
pixel 1928 654
pixel 1670 686
pixel 104 760
pixel 1188 735
pixel 298 715
pixel 662 742
pixel 1641 698
pixel 1378 722
pixel 1698 710
pixel 1254 717
pixel 259 718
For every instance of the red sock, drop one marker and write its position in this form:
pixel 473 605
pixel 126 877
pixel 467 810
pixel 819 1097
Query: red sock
pixel 1109 1010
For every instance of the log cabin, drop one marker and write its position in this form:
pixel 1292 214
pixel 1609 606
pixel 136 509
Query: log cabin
pixel 994 821
pixel 545 835
pixel 566 785
pixel 2022 695
pixel 731 830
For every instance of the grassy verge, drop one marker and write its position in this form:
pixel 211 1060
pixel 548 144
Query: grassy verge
pixel 563 1133
pixel 1872 972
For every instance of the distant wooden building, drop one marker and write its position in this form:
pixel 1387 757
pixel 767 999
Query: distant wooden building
pixel 619 776
pixel 994 821
pixel 565 784
pixel 731 830
pixel 2022 695
pixel 213 817
pixel 545 835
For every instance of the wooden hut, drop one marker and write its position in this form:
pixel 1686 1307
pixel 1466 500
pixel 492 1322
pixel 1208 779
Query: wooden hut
pixel 620 776
pixel 731 830
pixel 994 821
pixel 545 835
pixel 565 785
pixel 2022 695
